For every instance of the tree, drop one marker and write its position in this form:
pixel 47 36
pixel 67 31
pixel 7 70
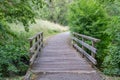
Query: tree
pixel 55 11
pixel 18 11
pixel 90 18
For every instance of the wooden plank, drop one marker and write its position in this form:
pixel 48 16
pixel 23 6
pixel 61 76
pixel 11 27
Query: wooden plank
pixel 50 55
pixel 87 37
pixel 77 60
pixel 59 58
pixel 57 52
pixel 62 67
pixel 66 71
pixel 86 54
pixel 92 54
pixel 60 62
pixel 85 45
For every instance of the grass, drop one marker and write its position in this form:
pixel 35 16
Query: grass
pixel 15 78
pixel 111 78
pixel 106 77
pixel 48 28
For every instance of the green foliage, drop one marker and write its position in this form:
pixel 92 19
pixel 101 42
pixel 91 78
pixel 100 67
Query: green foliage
pixel 14 46
pixel 106 1
pixel 19 11
pixel 100 19
pixel 13 56
pixel 55 11
pixel 13 50
pixel 112 7
pixel 112 60
pixel 90 18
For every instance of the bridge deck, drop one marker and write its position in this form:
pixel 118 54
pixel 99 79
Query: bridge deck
pixel 58 55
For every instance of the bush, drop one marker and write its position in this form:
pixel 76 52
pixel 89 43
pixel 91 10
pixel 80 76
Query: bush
pixel 90 18
pixel 13 53
pixel 13 59
pixel 112 60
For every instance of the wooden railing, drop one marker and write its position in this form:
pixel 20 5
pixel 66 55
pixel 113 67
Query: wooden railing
pixel 79 40
pixel 36 43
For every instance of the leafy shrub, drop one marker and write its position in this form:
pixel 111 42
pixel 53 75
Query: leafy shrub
pixel 13 54
pixel 112 60
pixel 90 18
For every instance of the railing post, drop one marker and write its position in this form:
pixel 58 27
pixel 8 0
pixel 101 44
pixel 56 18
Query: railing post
pixel 93 45
pixel 72 39
pixel 39 38
pixel 83 47
pixel 92 54
pixel 31 44
pixel 36 41
pixel 42 38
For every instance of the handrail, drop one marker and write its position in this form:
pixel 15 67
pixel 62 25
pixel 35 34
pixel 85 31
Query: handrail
pixel 77 41
pixel 86 37
pixel 36 44
pixel 32 38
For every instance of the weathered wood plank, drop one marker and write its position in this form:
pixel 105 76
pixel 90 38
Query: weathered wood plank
pixel 63 67
pixel 66 71
pixel 60 62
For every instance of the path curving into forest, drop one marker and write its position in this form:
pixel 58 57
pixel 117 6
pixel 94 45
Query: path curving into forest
pixel 60 61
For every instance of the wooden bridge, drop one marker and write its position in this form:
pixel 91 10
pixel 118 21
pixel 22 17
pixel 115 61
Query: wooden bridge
pixel 63 54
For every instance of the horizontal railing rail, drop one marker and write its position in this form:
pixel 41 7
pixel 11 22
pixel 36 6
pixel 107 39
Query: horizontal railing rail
pixel 79 39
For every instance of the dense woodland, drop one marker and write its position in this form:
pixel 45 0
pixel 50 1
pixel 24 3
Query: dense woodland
pixel 96 18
